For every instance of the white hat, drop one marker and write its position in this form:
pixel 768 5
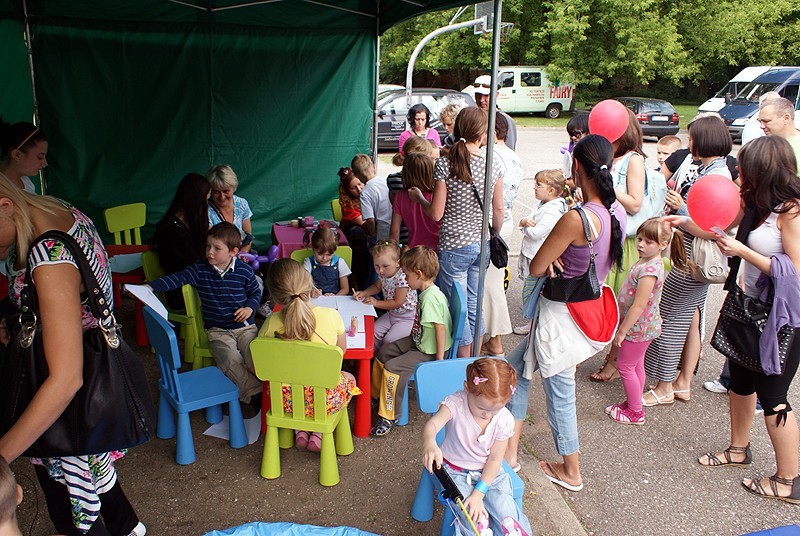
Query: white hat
pixel 483 84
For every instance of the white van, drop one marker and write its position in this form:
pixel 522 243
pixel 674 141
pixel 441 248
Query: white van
pixel 526 89
pixel 732 88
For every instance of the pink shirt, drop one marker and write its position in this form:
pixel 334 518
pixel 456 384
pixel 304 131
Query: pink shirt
pixel 422 230
pixel 432 134
pixel 462 446
pixel 648 326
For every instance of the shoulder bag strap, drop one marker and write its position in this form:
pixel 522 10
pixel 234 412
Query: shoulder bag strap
pixel 477 197
pixel 218 211
pixel 94 294
pixel 745 227
pixel 587 233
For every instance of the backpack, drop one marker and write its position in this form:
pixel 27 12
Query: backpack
pixel 655 194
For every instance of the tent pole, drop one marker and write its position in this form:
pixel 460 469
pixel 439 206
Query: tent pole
pixel 374 140
pixel 29 47
pixel 487 187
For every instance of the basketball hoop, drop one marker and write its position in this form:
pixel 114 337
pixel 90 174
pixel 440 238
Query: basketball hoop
pixel 505 31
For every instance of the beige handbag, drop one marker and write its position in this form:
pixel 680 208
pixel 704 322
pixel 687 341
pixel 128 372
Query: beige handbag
pixel 709 264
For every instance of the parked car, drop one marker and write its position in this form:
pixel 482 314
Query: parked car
pixel 732 88
pixel 393 108
pixel 657 117
pixel 526 89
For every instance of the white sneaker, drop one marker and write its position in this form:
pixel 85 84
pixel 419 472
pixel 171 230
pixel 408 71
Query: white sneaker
pixel 139 530
pixel 715 387
pixel 524 329
pixel 264 310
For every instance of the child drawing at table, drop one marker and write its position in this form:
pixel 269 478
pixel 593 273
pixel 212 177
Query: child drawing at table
pixel 640 320
pixel 328 271
pixel 430 338
pixel 478 427
pixel 290 286
pixel 398 300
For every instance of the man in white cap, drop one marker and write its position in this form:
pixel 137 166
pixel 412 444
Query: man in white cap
pixel 483 86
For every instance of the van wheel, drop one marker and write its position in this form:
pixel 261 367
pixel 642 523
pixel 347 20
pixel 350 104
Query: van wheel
pixel 553 111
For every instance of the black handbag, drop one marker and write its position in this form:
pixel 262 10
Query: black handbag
pixel 112 410
pixel 576 289
pixel 742 319
pixel 498 249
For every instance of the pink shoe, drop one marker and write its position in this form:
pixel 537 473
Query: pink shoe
pixel 610 408
pixel 315 442
pixel 627 416
pixel 301 439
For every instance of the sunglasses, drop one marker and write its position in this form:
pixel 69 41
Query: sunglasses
pixel 576 134
pixel 487 86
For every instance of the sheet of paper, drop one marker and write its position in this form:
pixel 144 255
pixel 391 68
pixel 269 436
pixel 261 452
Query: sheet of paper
pixel 348 307
pixel 252 428
pixel 147 297
pixel 325 301
pixel 359 340
pixel 125 262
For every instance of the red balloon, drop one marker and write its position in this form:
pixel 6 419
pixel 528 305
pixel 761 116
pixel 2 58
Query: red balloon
pixel 609 118
pixel 713 201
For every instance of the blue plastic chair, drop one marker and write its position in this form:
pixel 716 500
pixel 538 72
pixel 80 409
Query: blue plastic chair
pixel 458 314
pixel 435 381
pixel 206 388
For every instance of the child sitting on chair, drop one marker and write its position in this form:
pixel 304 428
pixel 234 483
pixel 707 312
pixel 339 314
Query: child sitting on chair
pixel 10 498
pixel 327 269
pixel 229 294
pixel 290 286
pixel 399 301
pixel 478 426
pixel 430 338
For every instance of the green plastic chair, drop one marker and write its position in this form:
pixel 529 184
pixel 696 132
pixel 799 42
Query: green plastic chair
pixel 195 330
pixel 345 252
pixel 151 265
pixel 300 364
pixel 125 222
pixel 336 209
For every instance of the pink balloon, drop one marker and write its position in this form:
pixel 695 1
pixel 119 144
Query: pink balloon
pixel 609 118
pixel 713 201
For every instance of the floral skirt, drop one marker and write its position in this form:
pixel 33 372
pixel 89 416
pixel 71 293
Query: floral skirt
pixel 335 399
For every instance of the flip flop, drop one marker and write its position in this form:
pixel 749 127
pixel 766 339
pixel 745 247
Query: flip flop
pixel 516 468
pixel 555 479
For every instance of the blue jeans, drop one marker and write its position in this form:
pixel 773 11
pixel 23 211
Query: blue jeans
pixel 462 265
pixel 518 405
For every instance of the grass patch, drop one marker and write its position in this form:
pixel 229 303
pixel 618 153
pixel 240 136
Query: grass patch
pixel 685 111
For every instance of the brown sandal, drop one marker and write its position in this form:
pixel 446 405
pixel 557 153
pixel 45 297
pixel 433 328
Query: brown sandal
pixel 601 377
pixel 713 461
pixel 756 488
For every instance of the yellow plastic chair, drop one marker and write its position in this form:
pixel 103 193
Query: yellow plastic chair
pixel 125 222
pixel 201 351
pixel 336 208
pixel 345 252
pixel 151 265
pixel 300 364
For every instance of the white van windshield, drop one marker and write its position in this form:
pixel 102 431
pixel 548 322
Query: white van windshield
pixel 730 87
pixel 752 91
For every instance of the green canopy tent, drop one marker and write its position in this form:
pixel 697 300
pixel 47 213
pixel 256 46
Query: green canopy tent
pixel 134 94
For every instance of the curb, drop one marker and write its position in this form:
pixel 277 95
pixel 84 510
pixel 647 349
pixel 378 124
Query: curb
pixel 542 498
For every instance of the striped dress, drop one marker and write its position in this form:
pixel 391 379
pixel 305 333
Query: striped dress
pixel 85 477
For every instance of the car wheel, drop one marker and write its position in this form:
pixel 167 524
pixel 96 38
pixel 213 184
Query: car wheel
pixel 553 111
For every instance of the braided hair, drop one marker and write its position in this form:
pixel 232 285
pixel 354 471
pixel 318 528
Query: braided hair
pixel 596 156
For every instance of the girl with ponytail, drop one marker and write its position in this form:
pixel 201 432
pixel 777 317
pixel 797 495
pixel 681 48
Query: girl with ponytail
pixel 566 250
pixel 290 287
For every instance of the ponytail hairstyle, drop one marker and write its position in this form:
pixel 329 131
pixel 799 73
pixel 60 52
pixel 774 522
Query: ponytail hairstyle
pixel 471 125
pixel 387 246
pixel 491 378
pixel 660 231
pixel 290 285
pixel 596 156
pixel 418 171
pixel 19 136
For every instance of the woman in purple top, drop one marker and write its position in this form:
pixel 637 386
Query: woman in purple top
pixel 567 248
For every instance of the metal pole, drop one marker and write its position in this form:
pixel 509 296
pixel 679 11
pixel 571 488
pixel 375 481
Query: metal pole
pixel 487 186
pixel 438 31
pixel 374 141
pixel 29 47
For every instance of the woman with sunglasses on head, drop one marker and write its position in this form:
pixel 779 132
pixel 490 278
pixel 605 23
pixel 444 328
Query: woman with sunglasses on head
pixel 419 124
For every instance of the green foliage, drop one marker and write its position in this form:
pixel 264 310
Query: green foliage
pixel 611 44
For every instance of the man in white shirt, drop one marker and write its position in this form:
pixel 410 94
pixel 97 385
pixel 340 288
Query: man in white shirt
pixel 376 209
pixel 776 117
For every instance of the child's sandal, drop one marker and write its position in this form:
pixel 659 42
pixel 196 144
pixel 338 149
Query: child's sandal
pixel 713 461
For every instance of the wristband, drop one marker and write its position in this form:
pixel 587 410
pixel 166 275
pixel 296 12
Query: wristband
pixel 482 486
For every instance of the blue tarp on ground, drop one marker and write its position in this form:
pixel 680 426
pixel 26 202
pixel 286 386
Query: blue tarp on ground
pixel 788 530
pixel 288 529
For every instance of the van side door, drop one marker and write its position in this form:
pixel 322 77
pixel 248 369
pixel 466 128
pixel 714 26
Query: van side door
pixel 507 94
pixel 532 96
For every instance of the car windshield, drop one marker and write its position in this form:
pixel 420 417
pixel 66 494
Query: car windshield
pixel 435 103
pixel 752 91
pixel 730 87
pixel 655 107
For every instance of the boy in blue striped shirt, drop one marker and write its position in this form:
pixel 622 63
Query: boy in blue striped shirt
pixel 230 294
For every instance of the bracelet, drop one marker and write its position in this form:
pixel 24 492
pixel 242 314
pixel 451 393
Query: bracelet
pixel 482 486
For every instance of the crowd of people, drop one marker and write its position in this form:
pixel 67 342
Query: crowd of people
pixel 415 235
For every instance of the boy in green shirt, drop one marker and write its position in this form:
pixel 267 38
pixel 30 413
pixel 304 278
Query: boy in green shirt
pixel 430 338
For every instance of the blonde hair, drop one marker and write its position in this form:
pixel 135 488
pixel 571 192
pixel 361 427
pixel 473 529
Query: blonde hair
pixel 491 378
pixel 386 246
pixel 418 171
pixel 414 144
pixel 222 177
pixel 22 202
pixel 290 285
pixel 551 177
pixel 421 258
pixel 360 165
pixel 451 111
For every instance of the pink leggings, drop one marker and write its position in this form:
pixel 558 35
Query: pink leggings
pixel 630 363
